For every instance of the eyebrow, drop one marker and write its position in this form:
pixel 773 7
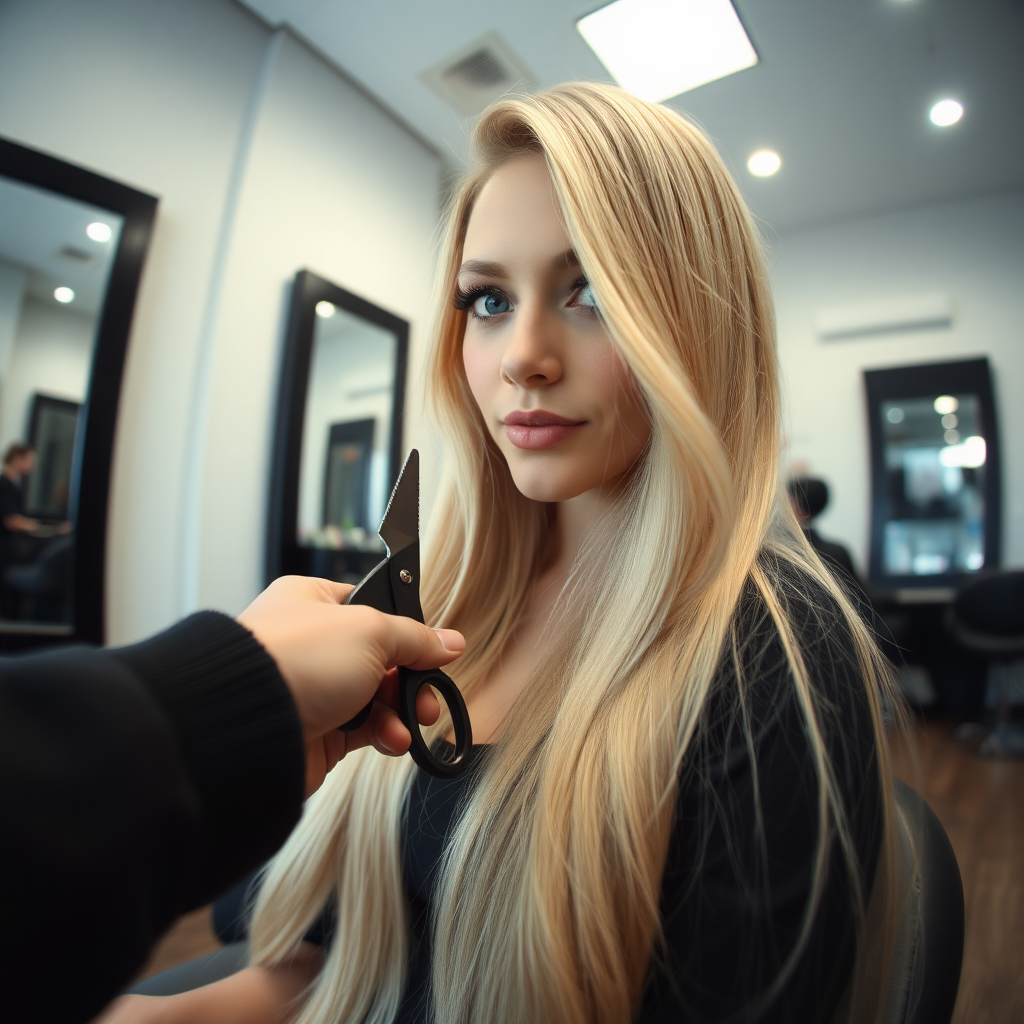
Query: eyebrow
pixel 487 268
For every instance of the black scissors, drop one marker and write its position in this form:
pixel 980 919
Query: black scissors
pixel 394 587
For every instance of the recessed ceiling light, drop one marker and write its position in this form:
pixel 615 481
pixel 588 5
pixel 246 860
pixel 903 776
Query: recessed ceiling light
pixel 63 294
pixel 657 49
pixel 764 162
pixel 98 231
pixel 946 112
pixel 325 309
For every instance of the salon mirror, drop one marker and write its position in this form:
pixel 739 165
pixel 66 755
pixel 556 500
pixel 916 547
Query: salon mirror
pixel 71 250
pixel 936 487
pixel 339 432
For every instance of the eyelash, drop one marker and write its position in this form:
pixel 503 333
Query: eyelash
pixel 465 299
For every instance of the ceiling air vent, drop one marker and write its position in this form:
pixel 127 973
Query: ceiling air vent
pixel 478 74
pixel 69 252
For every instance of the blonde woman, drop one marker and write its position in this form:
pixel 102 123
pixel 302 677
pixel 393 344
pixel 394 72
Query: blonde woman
pixel 679 806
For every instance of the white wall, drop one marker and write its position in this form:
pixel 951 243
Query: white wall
pixel 265 161
pixel 973 251
pixel 334 186
pixel 13 281
pixel 52 354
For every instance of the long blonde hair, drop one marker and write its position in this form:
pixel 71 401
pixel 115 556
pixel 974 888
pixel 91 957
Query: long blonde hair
pixel 547 906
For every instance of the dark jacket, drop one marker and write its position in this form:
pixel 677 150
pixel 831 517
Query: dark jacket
pixel 135 784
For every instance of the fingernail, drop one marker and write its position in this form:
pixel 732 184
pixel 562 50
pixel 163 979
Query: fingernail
pixel 452 640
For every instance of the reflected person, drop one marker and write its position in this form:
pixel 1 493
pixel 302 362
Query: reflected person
pixel 17 531
pixel 23 539
pixel 19 460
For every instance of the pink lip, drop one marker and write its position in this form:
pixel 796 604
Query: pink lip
pixel 537 429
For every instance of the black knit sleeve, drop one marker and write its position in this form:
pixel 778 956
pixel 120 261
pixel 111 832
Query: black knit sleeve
pixel 739 875
pixel 135 784
pixel 238 733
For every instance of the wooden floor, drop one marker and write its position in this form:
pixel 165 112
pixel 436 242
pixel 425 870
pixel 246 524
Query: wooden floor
pixel 981 806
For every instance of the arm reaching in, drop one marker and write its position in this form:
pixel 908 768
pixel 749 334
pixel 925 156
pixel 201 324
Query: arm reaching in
pixel 140 782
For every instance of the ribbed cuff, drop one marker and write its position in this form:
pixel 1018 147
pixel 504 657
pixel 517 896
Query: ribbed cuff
pixel 240 740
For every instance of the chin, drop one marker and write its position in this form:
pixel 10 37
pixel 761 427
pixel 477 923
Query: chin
pixel 541 479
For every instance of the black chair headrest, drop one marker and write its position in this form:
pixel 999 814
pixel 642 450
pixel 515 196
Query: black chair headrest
pixel 993 604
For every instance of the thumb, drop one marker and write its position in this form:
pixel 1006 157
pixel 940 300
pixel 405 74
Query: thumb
pixel 335 592
pixel 411 644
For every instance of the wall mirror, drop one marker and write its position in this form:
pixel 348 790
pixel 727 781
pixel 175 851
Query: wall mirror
pixel 338 443
pixel 935 475
pixel 72 246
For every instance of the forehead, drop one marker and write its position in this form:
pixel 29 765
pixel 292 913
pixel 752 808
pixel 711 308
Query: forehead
pixel 516 214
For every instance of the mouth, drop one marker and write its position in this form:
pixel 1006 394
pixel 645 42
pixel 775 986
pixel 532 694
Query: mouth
pixel 537 429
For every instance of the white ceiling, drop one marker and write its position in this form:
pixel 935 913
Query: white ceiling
pixel 37 228
pixel 842 90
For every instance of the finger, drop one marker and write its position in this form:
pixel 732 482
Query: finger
pixel 414 645
pixel 387 692
pixel 335 747
pixel 428 707
pixel 387 733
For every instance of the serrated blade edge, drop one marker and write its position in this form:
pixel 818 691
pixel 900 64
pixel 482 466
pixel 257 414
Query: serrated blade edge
pixel 400 526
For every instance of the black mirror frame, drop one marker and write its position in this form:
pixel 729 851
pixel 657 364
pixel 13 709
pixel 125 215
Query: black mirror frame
pixel 284 556
pixel 965 376
pixel 94 442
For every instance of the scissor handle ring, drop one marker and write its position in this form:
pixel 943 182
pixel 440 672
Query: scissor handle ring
pixel 410 682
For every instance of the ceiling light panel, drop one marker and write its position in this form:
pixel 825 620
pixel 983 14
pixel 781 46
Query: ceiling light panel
pixel 657 49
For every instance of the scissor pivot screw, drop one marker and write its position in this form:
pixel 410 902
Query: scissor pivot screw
pixel 405 576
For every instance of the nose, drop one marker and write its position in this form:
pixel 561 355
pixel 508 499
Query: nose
pixel 531 359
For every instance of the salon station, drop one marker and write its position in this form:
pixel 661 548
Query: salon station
pixel 220 227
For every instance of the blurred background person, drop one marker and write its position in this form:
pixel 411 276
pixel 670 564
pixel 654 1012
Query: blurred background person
pixel 809 498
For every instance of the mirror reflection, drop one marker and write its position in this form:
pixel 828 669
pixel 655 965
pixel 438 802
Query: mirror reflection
pixel 346 436
pixel 55 259
pixel 935 453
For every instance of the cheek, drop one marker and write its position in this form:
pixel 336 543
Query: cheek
pixel 616 385
pixel 632 422
pixel 480 372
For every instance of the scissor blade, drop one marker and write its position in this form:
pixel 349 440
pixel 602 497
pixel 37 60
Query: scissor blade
pixel 400 526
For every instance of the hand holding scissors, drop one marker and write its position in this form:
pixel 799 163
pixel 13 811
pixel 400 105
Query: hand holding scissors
pixel 393 586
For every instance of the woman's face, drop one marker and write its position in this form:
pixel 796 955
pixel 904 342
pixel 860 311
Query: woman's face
pixel 560 403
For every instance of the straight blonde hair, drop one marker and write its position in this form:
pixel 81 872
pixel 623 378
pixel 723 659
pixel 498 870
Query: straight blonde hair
pixel 547 906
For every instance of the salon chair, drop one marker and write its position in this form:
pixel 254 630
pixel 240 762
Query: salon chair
pixel 930 944
pixel 45 584
pixel 926 960
pixel 987 619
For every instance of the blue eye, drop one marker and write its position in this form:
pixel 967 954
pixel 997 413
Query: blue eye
pixel 491 304
pixel 585 297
